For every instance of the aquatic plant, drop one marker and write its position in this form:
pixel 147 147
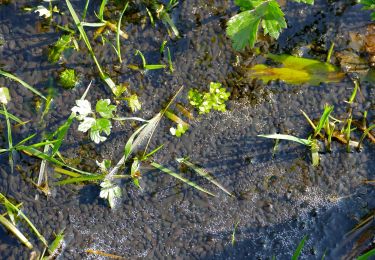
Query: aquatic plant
pixel 243 27
pixel 296 70
pixel 149 66
pixel 62 44
pixel 68 78
pixel 161 11
pixel 90 120
pixel 214 99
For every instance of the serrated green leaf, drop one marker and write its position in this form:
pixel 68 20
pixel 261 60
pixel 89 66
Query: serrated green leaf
pixel 248 4
pixel 273 19
pixel 243 29
pixel 103 125
pixel 104 108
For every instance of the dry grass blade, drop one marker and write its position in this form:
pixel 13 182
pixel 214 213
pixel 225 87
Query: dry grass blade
pixel 138 138
pixel 12 228
pixel 10 205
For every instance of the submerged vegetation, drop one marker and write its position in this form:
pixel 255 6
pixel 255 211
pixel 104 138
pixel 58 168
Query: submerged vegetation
pixel 243 27
pixel 351 129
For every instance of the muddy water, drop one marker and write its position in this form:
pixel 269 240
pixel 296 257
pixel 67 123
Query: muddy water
pixel 277 199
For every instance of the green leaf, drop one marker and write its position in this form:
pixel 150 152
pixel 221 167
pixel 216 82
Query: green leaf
pixel 273 20
pixel 368 4
pixel 214 99
pixel 56 244
pixel 296 70
pixel 101 125
pixel 104 108
pixel 180 130
pixel 248 4
pixel 243 28
pixel 195 97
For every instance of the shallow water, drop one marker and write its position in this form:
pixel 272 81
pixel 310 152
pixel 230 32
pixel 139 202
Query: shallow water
pixel 277 200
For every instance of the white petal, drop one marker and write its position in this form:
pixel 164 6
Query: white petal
pixel 42 11
pixel 86 124
pixel 83 107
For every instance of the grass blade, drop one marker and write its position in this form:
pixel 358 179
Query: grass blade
pixel 27 220
pixel 289 138
pixel 298 251
pixel 13 117
pixel 23 83
pixel 118 32
pixel 80 179
pixel 10 141
pixel 83 34
pixel 178 176
pixel 203 173
pixel 367 255
pixel 8 225
pixel 56 244
pixel 323 119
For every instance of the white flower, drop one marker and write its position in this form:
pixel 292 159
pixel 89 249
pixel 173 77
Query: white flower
pixel 43 11
pixel 83 108
pixel 86 124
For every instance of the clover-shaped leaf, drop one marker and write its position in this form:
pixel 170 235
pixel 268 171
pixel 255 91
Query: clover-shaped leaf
pixel 104 108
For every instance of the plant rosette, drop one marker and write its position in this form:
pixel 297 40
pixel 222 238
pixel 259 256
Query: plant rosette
pixel 91 122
